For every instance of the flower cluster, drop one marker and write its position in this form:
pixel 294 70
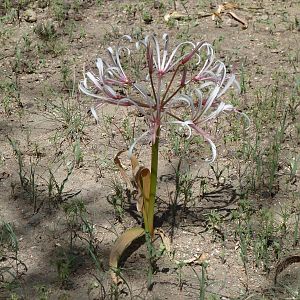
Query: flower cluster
pixel 183 86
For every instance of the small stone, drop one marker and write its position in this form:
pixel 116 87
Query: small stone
pixel 30 16
pixel 264 17
pixel 43 3
pixel 72 14
pixel 157 4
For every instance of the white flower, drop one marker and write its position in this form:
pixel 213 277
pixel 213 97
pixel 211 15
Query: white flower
pixel 169 86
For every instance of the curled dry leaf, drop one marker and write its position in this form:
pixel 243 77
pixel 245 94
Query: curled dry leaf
pixel 121 169
pixel 126 239
pixel 226 7
pixel 175 16
pixel 237 18
pixel 140 180
pixel 121 244
pixel 223 7
pixel 285 263
pixel 141 177
pixel 144 188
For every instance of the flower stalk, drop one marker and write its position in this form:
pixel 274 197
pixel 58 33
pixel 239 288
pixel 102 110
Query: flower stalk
pixel 153 185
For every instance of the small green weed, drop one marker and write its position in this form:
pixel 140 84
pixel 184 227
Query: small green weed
pixel 11 266
pixel 56 190
pixel 46 31
pixel 117 200
pixel 71 119
pixel 10 96
pixel 27 177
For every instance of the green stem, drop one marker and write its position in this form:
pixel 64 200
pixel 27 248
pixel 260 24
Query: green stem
pixel 153 184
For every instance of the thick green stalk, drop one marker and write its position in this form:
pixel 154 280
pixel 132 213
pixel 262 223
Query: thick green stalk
pixel 153 185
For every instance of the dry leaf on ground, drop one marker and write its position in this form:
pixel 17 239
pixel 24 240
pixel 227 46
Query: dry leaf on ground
pixel 121 244
pixel 121 169
pixel 227 8
pixel 175 16
pixel 285 263
pixel 223 7
pixel 140 179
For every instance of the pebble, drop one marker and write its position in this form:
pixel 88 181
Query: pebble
pixel 30 16
pixel 264 17
pixel 157 4
pixel 72 14
pixel 43 3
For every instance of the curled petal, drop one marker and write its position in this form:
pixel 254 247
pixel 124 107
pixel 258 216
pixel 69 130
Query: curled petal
pixel 109 91
pixel 82 87
pixel 100 66
pixel 207 105
pixel 84 81
pixel 130 150
pixel 208 83
pixel 197 106
pixel 162 62
pixel 190 125
pixel 188 57
pixel 221 107
pixel 181 98
pixel 94 80
pixel 210 57
pixel 165 51
pixel 94 113
pixel 115 57
pixel 127 37
pixel 170 65
pixel 184 124
pixel 145 94
pixel 156 58
pixel 246 118
pixel 213 150
pixel 230 81
pixel 208 139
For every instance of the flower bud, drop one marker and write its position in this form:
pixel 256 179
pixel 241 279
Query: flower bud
pixel 150 58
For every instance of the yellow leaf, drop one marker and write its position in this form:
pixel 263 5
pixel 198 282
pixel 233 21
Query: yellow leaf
pixel 285 263
pixel 222 8
pixel 121 244
pixel 175 16
pixel 142 180
pixel 134 163
pixel 145 178
pixel 121 169
pixel 239 19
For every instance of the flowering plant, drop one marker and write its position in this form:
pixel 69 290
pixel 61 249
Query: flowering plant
pixel 183 86
pixel 171 83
